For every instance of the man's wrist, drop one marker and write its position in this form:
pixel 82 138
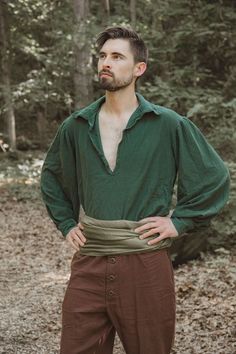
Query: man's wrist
pixel 182 225
pixel 66 226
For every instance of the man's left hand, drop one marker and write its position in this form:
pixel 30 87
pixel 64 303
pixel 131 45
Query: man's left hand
pixel 161 225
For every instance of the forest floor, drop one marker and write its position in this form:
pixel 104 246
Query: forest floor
pixel 35 268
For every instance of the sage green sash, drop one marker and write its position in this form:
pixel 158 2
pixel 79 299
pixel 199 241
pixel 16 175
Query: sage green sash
pixel 108 237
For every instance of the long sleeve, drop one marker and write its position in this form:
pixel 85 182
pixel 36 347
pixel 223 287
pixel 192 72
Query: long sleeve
pixel 203 179
pixel 58 180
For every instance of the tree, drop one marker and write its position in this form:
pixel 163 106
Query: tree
pixel 133 12
pixel 83 57
pixel 6 85
pixel 107 7
pixel 42 62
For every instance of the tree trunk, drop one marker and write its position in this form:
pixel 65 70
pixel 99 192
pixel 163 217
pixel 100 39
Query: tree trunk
pixel 83 73
pixel 6 86
pixel 107 7
pixel 166 58
pixel 106 16
pixel 133 13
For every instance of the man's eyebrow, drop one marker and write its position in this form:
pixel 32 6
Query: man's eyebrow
pixel 114 53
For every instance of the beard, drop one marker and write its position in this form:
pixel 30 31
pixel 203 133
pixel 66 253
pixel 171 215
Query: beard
pixel 113 84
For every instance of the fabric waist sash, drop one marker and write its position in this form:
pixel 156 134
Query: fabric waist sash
pixel 108 237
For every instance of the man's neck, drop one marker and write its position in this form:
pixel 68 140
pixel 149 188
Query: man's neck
pixel 120 103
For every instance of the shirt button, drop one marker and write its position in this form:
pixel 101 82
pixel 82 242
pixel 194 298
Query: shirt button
pixel 111 277
pixel 111 293
pixel 113 260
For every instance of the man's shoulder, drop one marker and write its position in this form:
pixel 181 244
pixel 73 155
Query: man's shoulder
pixel 168 115
pixel 87 113
pixel 175 120
pixel 148 106
pixel 69 122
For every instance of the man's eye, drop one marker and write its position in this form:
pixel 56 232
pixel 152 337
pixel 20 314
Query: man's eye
pixel 116 57
pixel 101 56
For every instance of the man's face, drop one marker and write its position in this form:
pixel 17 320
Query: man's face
pixel 116 66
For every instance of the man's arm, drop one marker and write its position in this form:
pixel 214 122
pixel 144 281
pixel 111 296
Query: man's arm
pixel 203 179
pixel 59 182
pixel 203 186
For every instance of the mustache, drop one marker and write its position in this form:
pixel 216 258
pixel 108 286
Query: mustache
pixel 105 72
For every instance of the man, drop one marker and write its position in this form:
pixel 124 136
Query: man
pixel 118 158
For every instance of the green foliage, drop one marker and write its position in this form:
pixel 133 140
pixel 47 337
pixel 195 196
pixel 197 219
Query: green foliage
pixel 42 57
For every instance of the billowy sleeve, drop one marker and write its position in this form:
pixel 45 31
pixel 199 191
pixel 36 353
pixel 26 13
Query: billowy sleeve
pixel 59 183
pixel 203 179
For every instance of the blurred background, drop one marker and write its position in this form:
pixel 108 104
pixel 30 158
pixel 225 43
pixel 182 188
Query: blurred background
pixel 48 70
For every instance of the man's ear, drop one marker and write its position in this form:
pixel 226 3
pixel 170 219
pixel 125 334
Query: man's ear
pixel 140 68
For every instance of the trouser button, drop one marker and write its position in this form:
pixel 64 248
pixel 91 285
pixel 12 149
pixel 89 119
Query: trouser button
pixel 111 292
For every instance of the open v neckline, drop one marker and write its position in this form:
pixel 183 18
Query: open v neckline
pixel 97 141
pixel 97 127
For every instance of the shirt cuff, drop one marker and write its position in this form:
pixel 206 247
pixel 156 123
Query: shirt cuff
pixel 66 226
pixel 182 225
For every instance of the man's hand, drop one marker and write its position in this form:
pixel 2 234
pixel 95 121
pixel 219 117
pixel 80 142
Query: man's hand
pixel 157 224
pixel 75 237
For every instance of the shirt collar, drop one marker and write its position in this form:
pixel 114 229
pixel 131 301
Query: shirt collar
pixel 89 113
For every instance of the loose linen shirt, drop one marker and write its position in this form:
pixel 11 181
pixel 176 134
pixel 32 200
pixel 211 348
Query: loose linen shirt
pixel 158 146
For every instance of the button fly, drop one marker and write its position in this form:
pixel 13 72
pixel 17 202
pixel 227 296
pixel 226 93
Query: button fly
pixel 112 260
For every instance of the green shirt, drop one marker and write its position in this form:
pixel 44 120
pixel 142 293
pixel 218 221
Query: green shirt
pixel 157 146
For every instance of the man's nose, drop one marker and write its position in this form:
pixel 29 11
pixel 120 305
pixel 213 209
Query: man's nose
pixel 106 63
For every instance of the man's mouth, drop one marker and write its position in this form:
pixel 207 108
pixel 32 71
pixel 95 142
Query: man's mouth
pixel 103 73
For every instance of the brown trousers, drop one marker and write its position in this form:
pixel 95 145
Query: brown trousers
pixel 131 294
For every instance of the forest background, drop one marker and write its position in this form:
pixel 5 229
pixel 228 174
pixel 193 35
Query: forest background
pixel 48 70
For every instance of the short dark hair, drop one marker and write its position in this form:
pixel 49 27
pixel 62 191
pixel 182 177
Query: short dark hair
pixel 137 45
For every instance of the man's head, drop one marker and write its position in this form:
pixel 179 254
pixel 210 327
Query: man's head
pixel 122 58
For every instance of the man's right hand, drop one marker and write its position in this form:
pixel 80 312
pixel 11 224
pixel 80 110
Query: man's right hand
pixel 75 237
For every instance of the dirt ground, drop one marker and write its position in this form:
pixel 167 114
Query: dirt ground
pixel 35 266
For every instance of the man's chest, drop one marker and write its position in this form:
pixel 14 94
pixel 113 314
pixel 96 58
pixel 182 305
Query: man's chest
pixel 111 134
pixel 121 151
